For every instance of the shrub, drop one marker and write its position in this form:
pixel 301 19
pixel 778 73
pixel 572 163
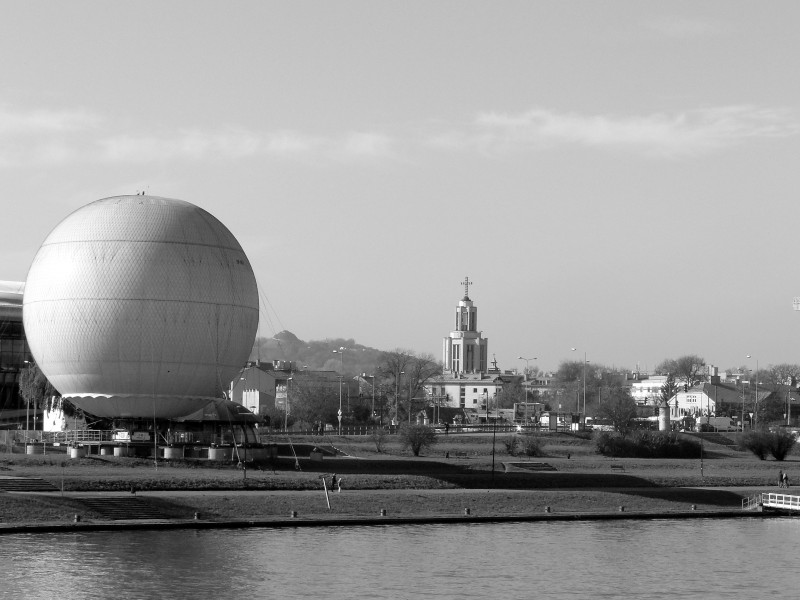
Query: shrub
pixel 646 444
pixel 757 443
pixel 781 443
pixel 511 444
pixel 417 437
pixel 379 437
pixel 532 445
pixel 776 443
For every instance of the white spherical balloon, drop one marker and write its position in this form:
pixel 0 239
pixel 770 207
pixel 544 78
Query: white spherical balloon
pixel 140 306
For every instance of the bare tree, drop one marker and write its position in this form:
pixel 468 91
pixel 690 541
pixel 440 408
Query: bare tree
pixel 391 367
pixel 313 399
pixel 417 438
pixel 776 377
pixel 510 394
pixel 688 368
pixel 620 409
pixel 409 372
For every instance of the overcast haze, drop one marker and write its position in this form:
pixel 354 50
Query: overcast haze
pixel 620 177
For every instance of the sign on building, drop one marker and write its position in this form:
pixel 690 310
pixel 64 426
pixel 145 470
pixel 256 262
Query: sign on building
pixel 280 397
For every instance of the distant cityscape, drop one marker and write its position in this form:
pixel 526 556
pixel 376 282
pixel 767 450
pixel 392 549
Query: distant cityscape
pixel 465 388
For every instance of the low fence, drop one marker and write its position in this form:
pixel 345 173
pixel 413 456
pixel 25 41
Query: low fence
pixel 365 430
pixel 20 437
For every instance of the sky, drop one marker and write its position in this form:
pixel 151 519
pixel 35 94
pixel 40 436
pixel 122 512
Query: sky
pixel 618 177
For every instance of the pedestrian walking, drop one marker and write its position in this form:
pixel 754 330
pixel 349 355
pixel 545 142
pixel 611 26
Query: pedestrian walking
pixel 786 480
pixel 780 479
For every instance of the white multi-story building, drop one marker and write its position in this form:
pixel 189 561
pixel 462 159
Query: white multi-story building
pixel 648 391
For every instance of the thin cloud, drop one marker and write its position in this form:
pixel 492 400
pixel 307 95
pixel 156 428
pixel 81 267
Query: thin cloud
pixel 291 144
pixel 238 144
pixel 364 145
pixel 57 138
pixel 683 133
pixel 44 137
pixel 187 145
pixel 41 121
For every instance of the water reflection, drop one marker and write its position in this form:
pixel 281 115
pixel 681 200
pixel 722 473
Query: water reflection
pixel 603 559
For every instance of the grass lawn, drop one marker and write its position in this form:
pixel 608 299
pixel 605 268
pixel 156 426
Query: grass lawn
pixel 398 482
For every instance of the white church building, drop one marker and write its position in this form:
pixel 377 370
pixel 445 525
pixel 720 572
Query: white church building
pixel 467 381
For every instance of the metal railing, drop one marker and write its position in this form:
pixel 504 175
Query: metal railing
pixel 77 436
pixel 783 501
pixel 751 502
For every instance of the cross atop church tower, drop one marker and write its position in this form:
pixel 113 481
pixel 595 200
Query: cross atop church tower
pixel 466 283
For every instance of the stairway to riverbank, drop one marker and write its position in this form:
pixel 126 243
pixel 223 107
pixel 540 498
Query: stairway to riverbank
pixel 531 466
pixel 118 508
pixel 25 484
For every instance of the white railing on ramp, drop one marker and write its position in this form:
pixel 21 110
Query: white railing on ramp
pixel 780 501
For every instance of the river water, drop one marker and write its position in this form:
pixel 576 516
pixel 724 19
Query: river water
pixel 708 558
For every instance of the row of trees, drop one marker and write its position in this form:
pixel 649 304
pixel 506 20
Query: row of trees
pixel 399 390
pixel 399 377
pixel 779 379
pixel 605 394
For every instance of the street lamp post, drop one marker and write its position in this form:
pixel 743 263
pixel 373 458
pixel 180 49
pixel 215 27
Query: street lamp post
pixel 527 368
pixel 755 403
pixel 743 405
pixel 396 396
pixel 527 364
pixel 365 376
pixel 286 407
pixel 340 352
pixel 584 384
pixel 382 405
pixel 788 407
pixel 27 406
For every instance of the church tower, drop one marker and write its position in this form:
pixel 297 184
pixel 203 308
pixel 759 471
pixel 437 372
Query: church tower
pixel 465 350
